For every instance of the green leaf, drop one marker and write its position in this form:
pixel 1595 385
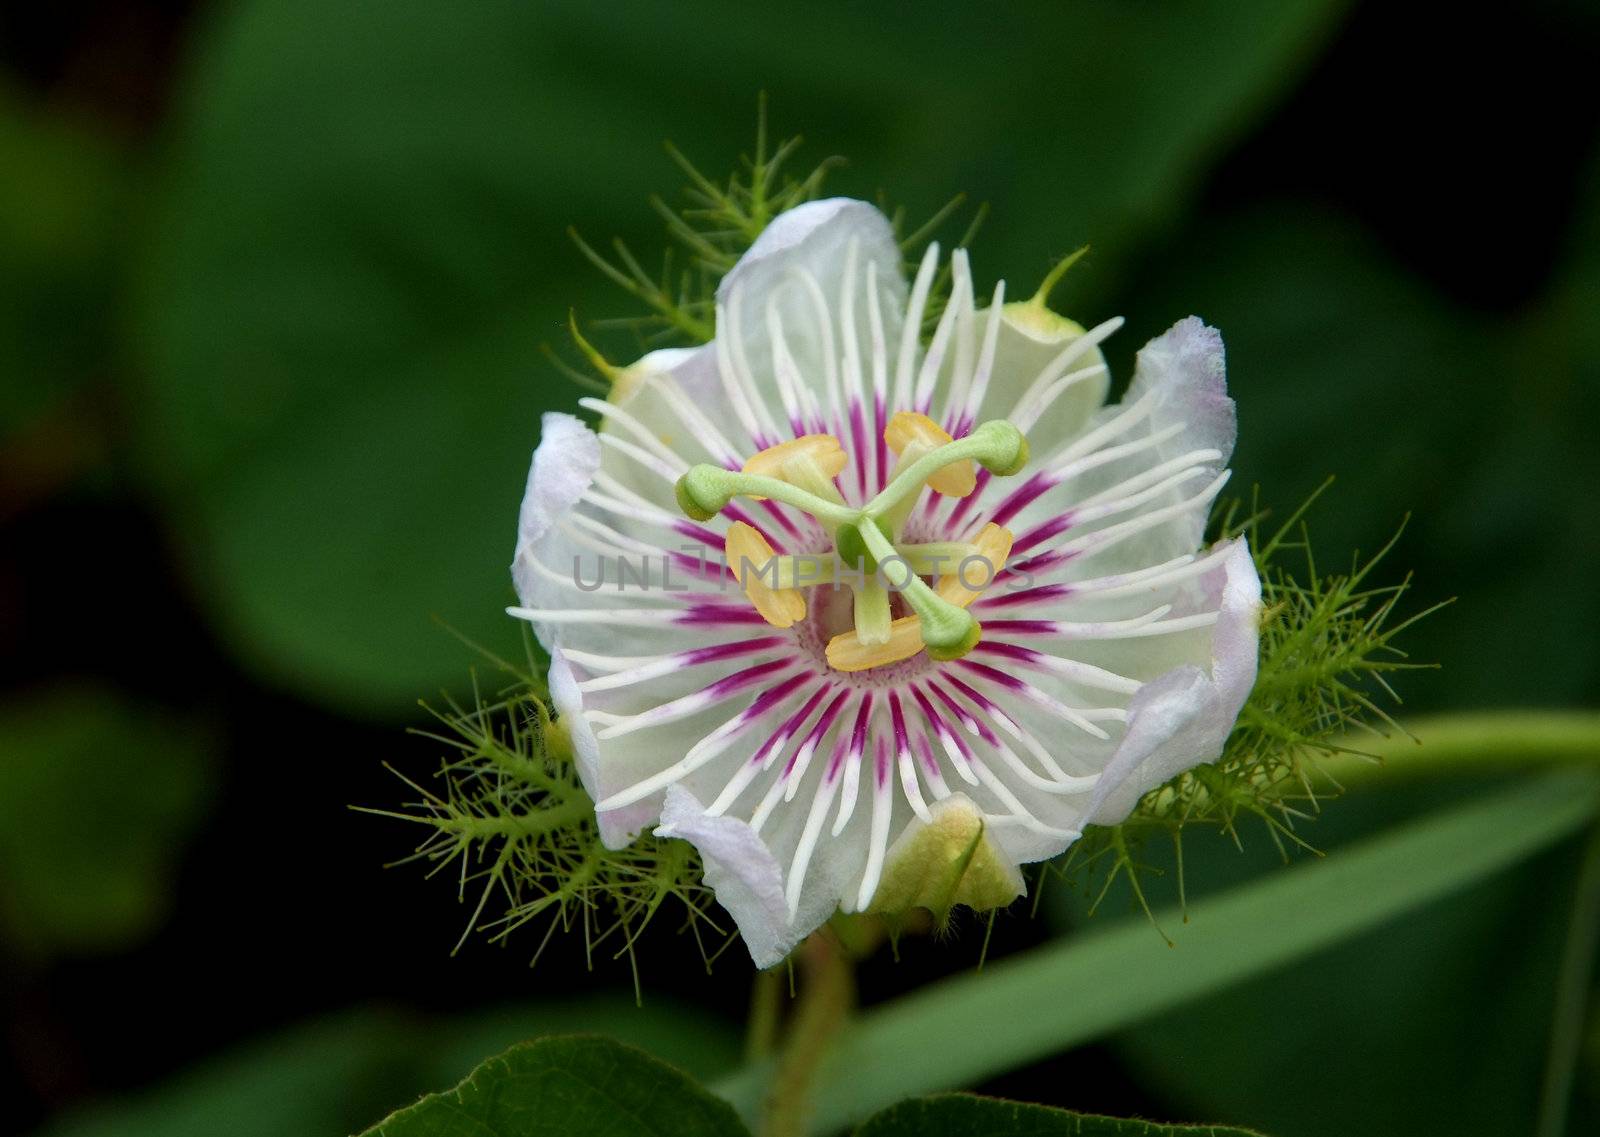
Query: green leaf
pixel 60 208
pixel 1344 364
pixel 335 1075
pixel 1382 1009
pixel 574 1086
pixel 1073 991
pixel 96 798
pixel 967 1115
pixel 361 246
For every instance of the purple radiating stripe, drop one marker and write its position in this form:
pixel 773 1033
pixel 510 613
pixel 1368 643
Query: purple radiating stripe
pixel 942 727
pixel 735 513
pixel 881 444
pixel 978 697
pixel 991 600
pixel 699 533
pixel 702 567
pixel 858 443
pixel 881 761
pixel 699 655
pixel 898 718
pixel 965 504
pixel 1020 627
pixel 965 716
pixel 722 688
pixel 778 514
pixel 924 750
pixel 788 729
pixel 1009 651
pixel 772 696
pixel 714 614
pixel 841 746
pixel 1009 682
pixel 813 738
pixel 857 737
pixel 1039 562
pixel 1015 501
pixel 1051 528
pixel 936 720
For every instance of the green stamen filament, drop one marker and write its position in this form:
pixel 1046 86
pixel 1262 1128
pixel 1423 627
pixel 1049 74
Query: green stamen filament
pixel 802 571
pixel 705 491
pixel 996 445
pixel 948 630
pixel 873 617
pixel 864 538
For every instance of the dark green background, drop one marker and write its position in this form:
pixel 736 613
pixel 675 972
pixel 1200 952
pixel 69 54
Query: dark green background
pixel 273 283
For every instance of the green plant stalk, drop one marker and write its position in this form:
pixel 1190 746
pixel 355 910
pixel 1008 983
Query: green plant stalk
pixel 1070 992
pixel 766 1008
pixel 1487 742
pixel 826 997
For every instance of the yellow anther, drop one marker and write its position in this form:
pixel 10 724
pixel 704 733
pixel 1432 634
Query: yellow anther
pixel 800 460
pixel 961 584
pixel 970 576
pixel 755 567
pixel 911 435
pixel 846 652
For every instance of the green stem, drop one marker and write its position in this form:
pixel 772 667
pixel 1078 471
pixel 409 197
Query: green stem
pixel 1069 992
pixel 1486 741
pixel 766 1008
pixel 826 996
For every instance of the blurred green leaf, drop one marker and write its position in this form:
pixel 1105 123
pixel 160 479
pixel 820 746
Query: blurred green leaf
pixel 1082 988
pixel 966 1115
pixel 333 1077
pixel 359 250
pixel 96 798
pixel 1383 1010
pixel 1343 364
pixel 571 1086
pixel 60 201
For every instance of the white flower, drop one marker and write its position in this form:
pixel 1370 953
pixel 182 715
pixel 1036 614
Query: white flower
pixel 809 737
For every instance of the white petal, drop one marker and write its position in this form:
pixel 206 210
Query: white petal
pixel 1035 354
pixel 799 259
pixel 1184 371
pixel 564 465
pixel 1183 718
pixel 1158 452
pixel 618 827
pixel 747 879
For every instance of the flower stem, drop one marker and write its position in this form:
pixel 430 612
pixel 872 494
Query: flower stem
pixel 1485 741
pixel 766 1008
pixel 827 995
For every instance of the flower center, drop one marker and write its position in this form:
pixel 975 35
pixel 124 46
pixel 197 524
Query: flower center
pixel 935 581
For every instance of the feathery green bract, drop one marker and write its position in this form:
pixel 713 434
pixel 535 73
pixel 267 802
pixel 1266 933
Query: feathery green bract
pixel 717 224
pixel 1327 651
pixel 510 819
